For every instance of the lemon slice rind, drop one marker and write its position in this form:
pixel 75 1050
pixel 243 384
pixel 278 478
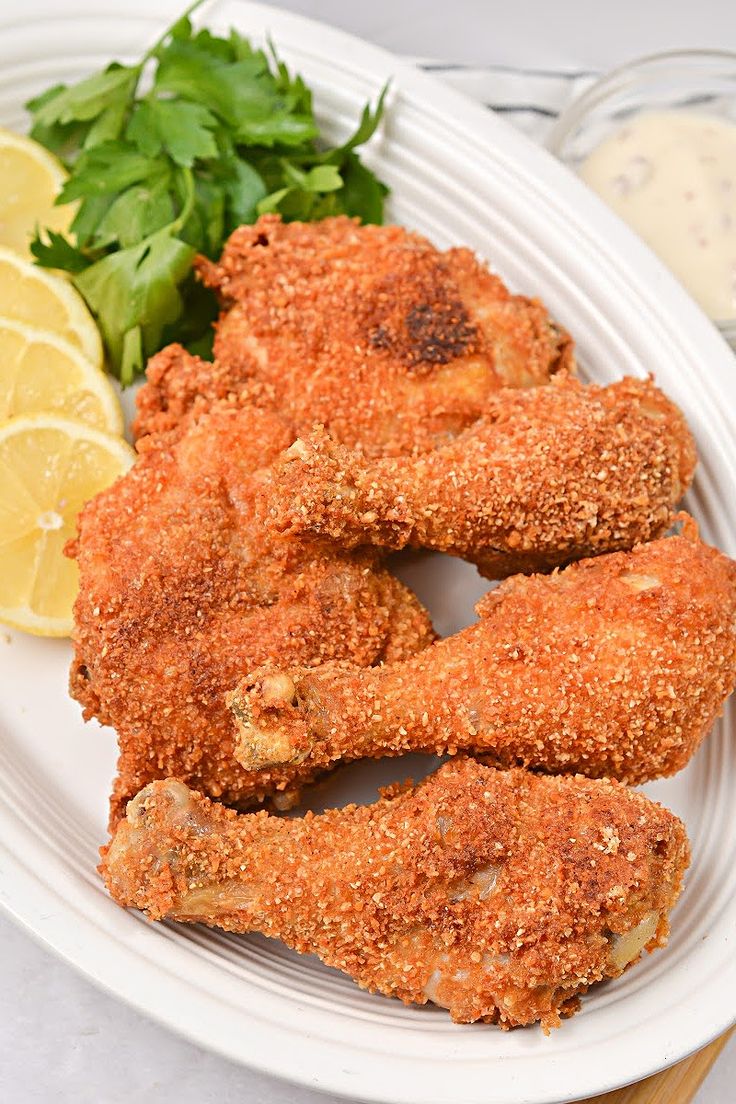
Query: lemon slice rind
pixel 33 546
pixel 90 379
pixel 29 186
pixel 79 325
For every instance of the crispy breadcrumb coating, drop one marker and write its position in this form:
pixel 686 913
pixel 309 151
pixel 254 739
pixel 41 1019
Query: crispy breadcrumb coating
pixel 368 330
pixel 181 588
pixel 615 666
pixel 500 896
pixel 545 476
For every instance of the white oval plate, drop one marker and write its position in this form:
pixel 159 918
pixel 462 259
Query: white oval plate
pixel 459 175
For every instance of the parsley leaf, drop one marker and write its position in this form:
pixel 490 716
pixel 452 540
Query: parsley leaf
pixel 86 100
pixel 181 128
pixel 363 194
pixel 134 294
pixel 58 252
pixel 223 132
pixel 110 168
pixel 137 213
pixel 367 127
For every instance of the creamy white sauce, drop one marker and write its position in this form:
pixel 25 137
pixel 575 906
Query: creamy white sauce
pixel 672 176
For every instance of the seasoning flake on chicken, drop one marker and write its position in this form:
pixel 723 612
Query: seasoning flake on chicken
pixel 543 477
pixel 181 588
pixel 370 331
pixel 616 666
pixel 502 896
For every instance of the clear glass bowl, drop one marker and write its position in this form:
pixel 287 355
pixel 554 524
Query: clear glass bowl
pixel 693 80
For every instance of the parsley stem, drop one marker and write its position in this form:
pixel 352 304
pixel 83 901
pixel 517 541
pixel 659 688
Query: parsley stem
pixel 180 221
pixel 162 38
pixel 152 50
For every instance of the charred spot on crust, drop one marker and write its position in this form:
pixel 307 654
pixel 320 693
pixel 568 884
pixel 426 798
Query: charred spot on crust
pixel 439 336
pixel 417 315
pixel 431 333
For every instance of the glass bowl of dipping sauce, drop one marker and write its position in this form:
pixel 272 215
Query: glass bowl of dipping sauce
pixel 656 139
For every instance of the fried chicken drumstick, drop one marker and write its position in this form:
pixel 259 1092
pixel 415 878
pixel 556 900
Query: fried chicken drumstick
pixel 616 666
pixel 180 589
pixel 545 476
pixel 500 896
pixel 368 330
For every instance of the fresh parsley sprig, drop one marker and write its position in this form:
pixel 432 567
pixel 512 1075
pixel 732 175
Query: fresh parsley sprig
pixel 222 133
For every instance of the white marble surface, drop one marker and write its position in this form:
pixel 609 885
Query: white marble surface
pixel 63 1040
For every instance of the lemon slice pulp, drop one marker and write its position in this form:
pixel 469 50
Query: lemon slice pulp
pixel 42 372
pixel 30 180
pixel 36 297
pixel 49 467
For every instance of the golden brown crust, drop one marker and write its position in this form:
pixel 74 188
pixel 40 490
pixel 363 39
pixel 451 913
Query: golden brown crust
pixel 546 476
pixel 180 588
pixel 615 666
pixel 502 896
pixel 368 330
pixel 178 385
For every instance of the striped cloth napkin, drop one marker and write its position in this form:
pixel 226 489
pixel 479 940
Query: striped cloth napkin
pixel 531 99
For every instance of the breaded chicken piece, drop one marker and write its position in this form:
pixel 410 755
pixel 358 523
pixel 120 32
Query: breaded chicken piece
pixel 500 896
pixel 545 476
pixel 181 589
pixel 616 666
pixel 371 331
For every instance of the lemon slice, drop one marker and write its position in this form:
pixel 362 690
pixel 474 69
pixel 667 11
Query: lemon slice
pixel 42 372
pixel 30 180
pixel 49 467
pixel 39 298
